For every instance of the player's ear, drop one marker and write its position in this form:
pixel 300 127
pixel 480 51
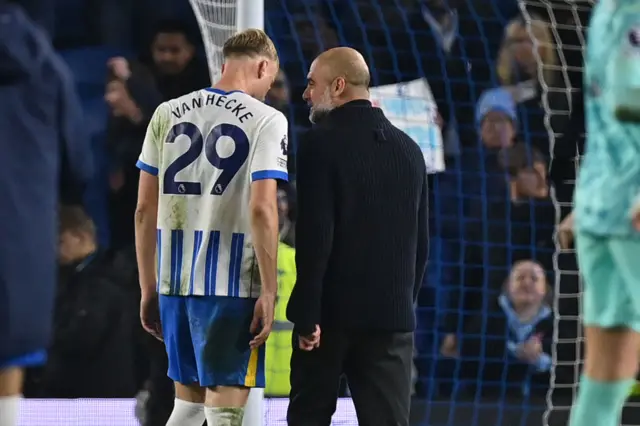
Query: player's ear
pixel 223 67
pixel 338 85
pixel 262 68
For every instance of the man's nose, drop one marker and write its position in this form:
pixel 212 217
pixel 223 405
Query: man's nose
pixel 305 95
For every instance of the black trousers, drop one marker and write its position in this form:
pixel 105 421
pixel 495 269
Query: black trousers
pixel 378 370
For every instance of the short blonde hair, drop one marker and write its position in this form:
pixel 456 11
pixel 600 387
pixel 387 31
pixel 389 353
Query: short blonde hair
pixel 251 43
pixel 542 34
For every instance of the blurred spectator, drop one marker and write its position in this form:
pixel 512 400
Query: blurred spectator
pixel 315 34
pixel 174 64
pixel 507 350
pixel 92 351
pixel 527 66
pixel 527 172
pixel 476 175
pixel 132 98
pixel 286 213
pixel 279 97
pixel 499 231
pixel 496 118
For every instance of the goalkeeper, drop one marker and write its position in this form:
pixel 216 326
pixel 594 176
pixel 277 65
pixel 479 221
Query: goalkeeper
pixel 607 214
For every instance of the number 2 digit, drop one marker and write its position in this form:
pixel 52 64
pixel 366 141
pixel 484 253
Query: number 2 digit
pixel 229 166
pixel 171 185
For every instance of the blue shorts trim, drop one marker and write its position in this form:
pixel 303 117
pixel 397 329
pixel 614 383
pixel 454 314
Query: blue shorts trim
pixel 32 359
pixel 207 341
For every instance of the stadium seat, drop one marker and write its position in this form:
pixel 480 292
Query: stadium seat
pixel 96 113
pixel 89 67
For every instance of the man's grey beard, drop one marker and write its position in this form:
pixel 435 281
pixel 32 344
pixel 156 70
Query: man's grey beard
pixel 320 111
pixel 317 115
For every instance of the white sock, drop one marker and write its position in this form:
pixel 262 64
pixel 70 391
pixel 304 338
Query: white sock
pixel 9 407
pixel 218 416
pixel 186 413
pixel 254 410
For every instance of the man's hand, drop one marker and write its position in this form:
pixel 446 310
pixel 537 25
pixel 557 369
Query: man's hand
pixel 449 346
pixel 262 322
pixel 565 232
pixel 120 67
pixel 309 343
pixel 121 102
pixel 150 315
pixel 530 350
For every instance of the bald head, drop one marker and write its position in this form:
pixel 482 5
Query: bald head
pixel 347 63
pixel 337 76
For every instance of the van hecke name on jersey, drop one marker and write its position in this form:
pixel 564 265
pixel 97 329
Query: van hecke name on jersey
pixel 214 99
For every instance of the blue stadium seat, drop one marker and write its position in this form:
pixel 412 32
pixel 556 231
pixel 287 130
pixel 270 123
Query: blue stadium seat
pixel 89 67
pixel 96 113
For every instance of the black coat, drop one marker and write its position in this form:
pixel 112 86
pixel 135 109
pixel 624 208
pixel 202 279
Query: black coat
pixel 92 351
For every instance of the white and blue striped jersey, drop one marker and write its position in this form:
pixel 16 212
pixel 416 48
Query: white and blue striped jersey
pixel 206 148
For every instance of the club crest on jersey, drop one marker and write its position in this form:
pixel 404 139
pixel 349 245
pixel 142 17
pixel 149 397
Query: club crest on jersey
pixel 283 145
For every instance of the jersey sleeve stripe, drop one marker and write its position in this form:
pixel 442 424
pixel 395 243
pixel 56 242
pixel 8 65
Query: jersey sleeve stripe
pixel 269 174
pixel 147 168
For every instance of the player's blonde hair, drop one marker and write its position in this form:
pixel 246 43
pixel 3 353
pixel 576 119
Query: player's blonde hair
pixel 252 43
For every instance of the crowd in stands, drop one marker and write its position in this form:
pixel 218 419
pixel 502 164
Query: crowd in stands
pixel 512 124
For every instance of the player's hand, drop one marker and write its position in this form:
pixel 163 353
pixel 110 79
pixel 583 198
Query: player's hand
pixel 150 315
pixel 565 232
pixel 449 346
pixel 120 67
pixel 262 322
pixel 309 343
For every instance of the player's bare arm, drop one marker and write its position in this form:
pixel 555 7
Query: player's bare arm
pixel 264 228
pixel 146 217
pixel 145 229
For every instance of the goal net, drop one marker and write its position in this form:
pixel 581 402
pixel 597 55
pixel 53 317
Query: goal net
pixel 218 20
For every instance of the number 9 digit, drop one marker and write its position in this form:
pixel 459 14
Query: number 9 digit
pixel 230 165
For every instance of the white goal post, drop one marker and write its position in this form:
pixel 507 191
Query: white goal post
pixel 220 19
